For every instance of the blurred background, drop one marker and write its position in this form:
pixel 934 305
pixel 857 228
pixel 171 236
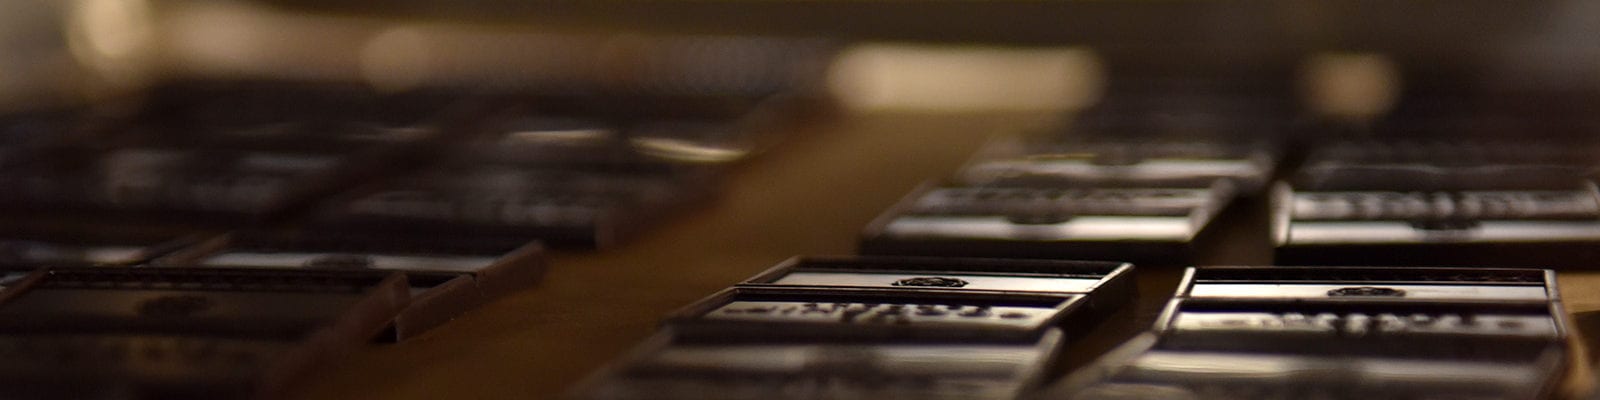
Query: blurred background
pixel 1044 55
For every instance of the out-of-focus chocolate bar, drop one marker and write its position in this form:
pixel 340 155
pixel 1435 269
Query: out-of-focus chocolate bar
pixel 1501 227
pixel 1108 285
pixel 446 278
pixel 1445 151
pixel 143 365
pixel 1128 163
pixel 183 333
pixel 557 206
pixel 1143 225
pixel 232 186
pixel 296 117
pixel 673 367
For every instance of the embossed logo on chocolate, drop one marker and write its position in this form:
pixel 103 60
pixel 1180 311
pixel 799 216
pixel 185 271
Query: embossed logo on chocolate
pixel 341 261
pixel 175 306
pixel 1366 291
pixel 931 281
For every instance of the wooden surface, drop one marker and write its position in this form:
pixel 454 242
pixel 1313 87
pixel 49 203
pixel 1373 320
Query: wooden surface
pixel 810 196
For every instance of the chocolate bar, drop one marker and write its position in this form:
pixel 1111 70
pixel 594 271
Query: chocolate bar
pixel 872 327
pixel 1143 225
pixel 1442 151
pixel 1306 284
pixel 673 367
pixel 227 186
pixel 183 333
pixel 295 117
pixel 1107 285
pixel 1128 163
pixel 1352 310
pixel 594 208
pixel 1343 333
pixel 1143 370
pixel 446 279
pixel 1554 227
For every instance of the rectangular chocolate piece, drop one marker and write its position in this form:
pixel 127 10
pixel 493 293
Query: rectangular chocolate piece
pixel 1328 307
pixel 1343 333
pixel 228 152
pixel 1143 225
pixel 296 117
pixel 559 206
pixel 1373 284
pixel 1142 369
pixel 1107 285
pixel 286 305
pixel 248 186
pixel 139 365
pixel 958 274
pixel 1429 329
pixel 446 278
pixel 882 315
pixel 1464 321
pixel 675 368
pixel 1449 227
pixel 1455 150
pixel 116 327
pixel 1127 163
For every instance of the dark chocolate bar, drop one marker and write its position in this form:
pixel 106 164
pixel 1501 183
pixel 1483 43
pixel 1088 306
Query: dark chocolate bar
pixel 1107 285
pixel 1379 284
pixel 1343 333
pixel 446 278
pixel 672 367
pixel 557 206
pixel 1455 151
pixel 1142 369
pixel 242 186
pixel 1553 227
pixel 295 117
pixel 1128 163
pixel 1143 225
pixel 183 333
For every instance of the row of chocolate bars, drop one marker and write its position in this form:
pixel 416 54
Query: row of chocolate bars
pixel 963 291
pixel 342 159
pixel 878 327
pixel 1438 182
pixel 216 239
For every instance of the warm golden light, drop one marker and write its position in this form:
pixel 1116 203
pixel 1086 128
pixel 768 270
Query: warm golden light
pixel 953 78
pixel 1350 85
pixel 113 38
